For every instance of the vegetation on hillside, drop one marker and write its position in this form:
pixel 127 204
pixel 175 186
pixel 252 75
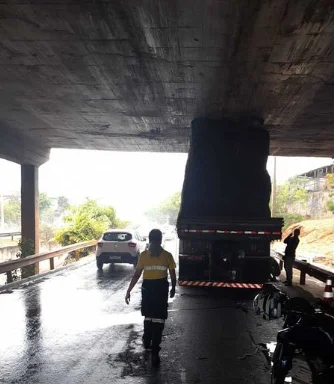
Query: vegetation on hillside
pixel 290 195
pixel 49 209
pixel 330 187
pixel 167 210
pixel 88 221
pixel 316 238
pixel 12 211
pixel 330 206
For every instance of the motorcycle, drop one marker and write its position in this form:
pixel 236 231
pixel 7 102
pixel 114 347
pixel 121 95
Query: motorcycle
pixel 307 329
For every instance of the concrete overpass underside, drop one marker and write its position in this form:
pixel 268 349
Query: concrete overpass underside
pixel 131 75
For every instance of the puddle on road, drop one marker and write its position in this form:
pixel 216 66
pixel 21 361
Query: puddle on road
pixel 134 361
pixel 14 335
pixel 103 320
pixel 125 318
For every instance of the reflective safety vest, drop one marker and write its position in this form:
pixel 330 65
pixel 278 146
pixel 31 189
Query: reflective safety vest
pixel 155 267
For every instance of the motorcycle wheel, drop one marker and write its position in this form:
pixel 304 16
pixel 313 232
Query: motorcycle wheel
pixel 325 378
pixel 277 376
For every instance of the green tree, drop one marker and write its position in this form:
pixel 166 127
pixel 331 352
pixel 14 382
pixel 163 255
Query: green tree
pixel 291 192
pixel 155 214
pixel 46 233
pixel 62 205
pixel 122 224
pixel 47 217
pixel 330 206
pixel 330 187
pixel 330 181
pixel 288 195
pixel 167 210
pixel 47 213
pixel 44 203
pixel 27 248
pixel 86 222
pixel 12 210
pixel 171 206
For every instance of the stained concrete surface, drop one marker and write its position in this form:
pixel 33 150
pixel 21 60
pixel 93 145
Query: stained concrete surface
pixel 131 75
pixel 74 327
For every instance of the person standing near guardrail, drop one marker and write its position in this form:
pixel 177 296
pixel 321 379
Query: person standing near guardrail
pixel 154 262
pixel 291 242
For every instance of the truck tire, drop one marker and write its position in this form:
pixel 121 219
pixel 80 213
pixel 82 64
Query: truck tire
pixel 184 273
pixel 274 267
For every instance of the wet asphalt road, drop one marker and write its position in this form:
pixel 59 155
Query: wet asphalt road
pixel 74 327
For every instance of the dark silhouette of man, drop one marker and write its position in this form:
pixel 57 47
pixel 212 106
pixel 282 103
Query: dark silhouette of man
pixel 291 242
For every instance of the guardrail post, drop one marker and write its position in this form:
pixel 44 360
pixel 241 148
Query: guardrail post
pixel 9 277
pixel 9 266
pixel 302 278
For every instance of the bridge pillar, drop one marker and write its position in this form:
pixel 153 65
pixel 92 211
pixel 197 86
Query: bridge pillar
pixel 30 207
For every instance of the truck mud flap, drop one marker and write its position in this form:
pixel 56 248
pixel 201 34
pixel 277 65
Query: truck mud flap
pixel 219 284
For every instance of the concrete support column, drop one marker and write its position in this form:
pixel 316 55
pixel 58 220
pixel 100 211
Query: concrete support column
pixel 30 207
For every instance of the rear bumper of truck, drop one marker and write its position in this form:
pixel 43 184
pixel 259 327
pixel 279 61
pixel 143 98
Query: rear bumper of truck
pixel 230 229
pixel 220 284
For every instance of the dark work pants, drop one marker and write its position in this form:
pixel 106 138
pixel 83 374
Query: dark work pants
pixel 147 337
pixel 154 307
pixel 153 333
pixel 288 263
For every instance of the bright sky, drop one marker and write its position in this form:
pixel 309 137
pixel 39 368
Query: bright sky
pixel 131 182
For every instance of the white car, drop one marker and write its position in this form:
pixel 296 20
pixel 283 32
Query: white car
pixel 119 246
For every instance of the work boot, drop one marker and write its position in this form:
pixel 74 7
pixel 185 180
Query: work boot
pixel 147 336
pixel 157 329
pixel 155 359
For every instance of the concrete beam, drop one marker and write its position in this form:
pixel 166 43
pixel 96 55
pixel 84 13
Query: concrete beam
pixel 30 206
pixel 134 76
pixel 21 149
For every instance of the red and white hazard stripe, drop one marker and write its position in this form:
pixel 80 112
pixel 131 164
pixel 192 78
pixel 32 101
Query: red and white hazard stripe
pixel 219 284
pixel 233 232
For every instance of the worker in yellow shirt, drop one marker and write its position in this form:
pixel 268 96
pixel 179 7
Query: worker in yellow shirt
pixel 154 262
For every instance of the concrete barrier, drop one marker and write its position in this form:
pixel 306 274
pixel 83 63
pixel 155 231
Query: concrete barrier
pixel 8 252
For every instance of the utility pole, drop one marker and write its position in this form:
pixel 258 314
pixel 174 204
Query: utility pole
pixel 273 200
pixel 2 214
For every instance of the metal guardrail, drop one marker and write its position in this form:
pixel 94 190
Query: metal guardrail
pixel 10 234
pixel 307 269
pixel 9 266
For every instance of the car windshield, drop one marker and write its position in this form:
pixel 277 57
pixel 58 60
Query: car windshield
pixel 117 236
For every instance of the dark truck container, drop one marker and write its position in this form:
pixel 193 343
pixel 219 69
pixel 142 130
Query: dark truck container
pixel 227 253
pixel 224 224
